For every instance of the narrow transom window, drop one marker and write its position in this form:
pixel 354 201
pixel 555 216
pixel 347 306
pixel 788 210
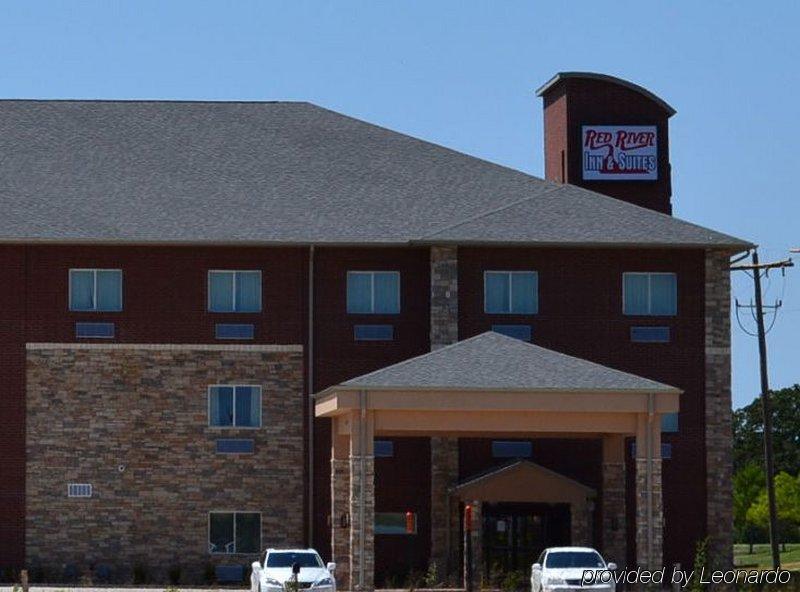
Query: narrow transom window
pixel 234 291
pixel 234 533
pixel 234 406
pixel 649 294
pixel 373 292
pixel 511 292
pixel 511 449
pixel 95 290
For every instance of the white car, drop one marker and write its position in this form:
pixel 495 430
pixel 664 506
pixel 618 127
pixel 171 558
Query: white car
pixel 280 565
pixel 563 568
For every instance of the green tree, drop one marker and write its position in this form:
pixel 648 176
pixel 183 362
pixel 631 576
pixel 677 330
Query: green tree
pixel 748 429
pixel 787 504
pixel 748 483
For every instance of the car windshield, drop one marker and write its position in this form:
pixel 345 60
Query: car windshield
pixel 562 559
pixel 289 558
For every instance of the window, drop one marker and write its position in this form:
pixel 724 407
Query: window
pixel 383 448
pixel 95 290
pixel 79 490
pixel 94 330
pixel 511 449
pixel 522 332
pixel 373 332
pixel 393 523
pixel 232 446
pixel 373 292
pixel 289 558
pixel 234 532
pixel 234 406
pixel 650 294
pixel 233 331
pixel 669 422
pixel 511 292
pixel 650 334
pixel 234 291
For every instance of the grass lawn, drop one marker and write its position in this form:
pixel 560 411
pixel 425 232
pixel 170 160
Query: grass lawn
pixel 761 557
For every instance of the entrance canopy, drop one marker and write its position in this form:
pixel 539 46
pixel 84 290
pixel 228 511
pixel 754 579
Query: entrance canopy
pixel 493 384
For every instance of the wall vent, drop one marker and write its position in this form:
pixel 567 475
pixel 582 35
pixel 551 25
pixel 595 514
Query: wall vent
pixel 79 490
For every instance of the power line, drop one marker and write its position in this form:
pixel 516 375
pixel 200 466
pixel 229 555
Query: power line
pixel 758 270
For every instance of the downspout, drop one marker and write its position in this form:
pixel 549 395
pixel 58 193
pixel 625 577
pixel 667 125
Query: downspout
pixel 310 379
pixel 362 450
pixel 649 478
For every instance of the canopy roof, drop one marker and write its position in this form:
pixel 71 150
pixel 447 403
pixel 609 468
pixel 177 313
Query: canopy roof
pixel 494 362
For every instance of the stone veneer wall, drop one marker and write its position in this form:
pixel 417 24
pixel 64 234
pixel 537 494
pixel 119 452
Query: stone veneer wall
pixel 655 560
pixel 614 516
pixel 719 444
pixel 444 451
pixel 369 523
pixel 132 420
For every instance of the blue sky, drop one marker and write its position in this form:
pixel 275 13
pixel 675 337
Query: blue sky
pixel 463 74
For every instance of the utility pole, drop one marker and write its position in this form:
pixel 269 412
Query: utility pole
pixel 766 406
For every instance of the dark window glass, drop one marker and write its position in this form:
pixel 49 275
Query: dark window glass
pixel 94 330
pixel 522 332
pixel 289 558
pixel 373 332
pixel 383 448
pixel 233 446
pixel 511 449
pixel 566 559
pixel 231 331
pixel 650 334
pixel 248 532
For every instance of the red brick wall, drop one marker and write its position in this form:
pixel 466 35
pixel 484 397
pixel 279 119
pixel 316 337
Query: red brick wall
pixel 12 405
pixel 577 102
pixel 337 356
pixel 164 301
pixel 580 313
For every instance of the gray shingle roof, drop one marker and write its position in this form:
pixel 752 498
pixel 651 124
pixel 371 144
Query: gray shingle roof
pixel 149 171
pixel 492 361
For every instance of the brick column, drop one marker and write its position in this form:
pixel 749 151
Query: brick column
pixel 649 504
pixel 444 451
pixel 718 437
pixel 362 466
pixel 340 506
pixel 580 534
pixel 613 500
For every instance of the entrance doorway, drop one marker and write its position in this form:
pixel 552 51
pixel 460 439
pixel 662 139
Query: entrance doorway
pixel 514 534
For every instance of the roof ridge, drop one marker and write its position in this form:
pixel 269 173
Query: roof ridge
pixel 490 212
pixel 184 101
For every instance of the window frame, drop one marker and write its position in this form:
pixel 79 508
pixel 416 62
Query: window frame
pixel 511 273
pixel 233 293
pixel 234 426
pixel 234 513
pixel 649 312
pixel 371 273
pixel 94 271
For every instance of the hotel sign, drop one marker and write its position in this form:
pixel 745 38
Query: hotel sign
pixel 619 153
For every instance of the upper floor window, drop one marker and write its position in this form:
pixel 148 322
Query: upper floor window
pixel 234 291
pixel 234 406
pixel 373 292
pixel 511 292
pixel 95 290
pixel 651 294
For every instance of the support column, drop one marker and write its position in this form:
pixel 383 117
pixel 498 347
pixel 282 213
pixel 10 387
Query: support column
pixel 613 500
pixel 340 504
pixel 580 534
pixel 362 502
pixel 444 451
pixel 649 504
pixel 718 434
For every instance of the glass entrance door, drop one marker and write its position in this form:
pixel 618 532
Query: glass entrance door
pixel 515 534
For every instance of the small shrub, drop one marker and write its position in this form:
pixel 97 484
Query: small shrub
pixel 174 575
pixel 431 579
pixel 171 589
pixel 139 573
pixel 513 581
pixel 700 562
